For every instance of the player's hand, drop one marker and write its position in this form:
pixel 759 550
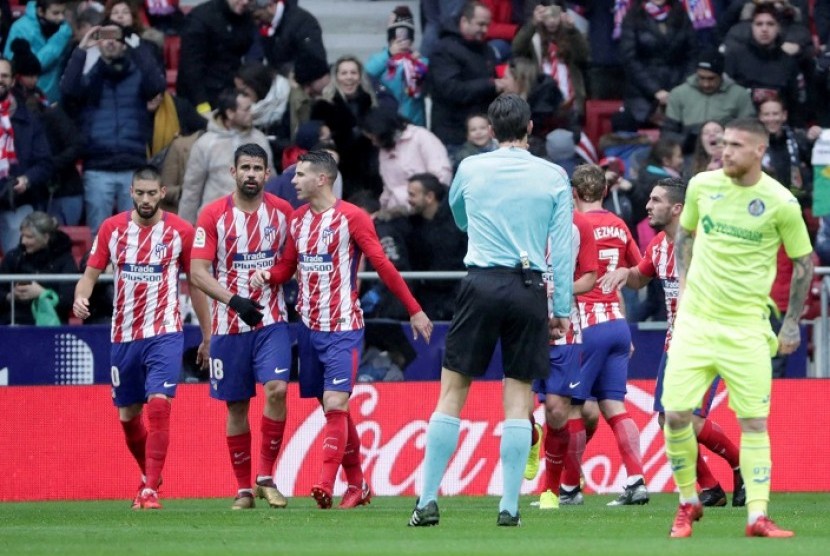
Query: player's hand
pixel 421 326
pixel 614 280
pixel 203 354
pixel 247 309
pixel 789 337
pixel 260 278
pixel 558 327
pixel 81 308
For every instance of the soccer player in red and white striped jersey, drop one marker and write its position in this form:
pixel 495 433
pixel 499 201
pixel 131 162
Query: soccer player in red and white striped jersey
pixel 147 248
pixel 606 338
pixel 565 355
pixel 664 207
pixel 235 236
pixel 327 237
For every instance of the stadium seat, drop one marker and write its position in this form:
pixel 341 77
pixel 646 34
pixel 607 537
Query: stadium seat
pixel 598 115
pixel 81 237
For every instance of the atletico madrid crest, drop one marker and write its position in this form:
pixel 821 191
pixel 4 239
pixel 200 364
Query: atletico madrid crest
pixel 327 236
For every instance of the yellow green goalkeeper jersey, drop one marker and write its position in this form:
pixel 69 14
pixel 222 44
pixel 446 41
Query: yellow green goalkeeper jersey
pixel 738 231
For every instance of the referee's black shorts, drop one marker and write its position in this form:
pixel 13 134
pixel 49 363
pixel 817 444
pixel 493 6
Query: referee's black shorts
pixel 494 304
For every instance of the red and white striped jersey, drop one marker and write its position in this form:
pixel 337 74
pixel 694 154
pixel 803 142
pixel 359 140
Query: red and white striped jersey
pixel 147 261
pixel 659 263
pixel 585 260
pixel 238 243
pixel 326 248
pixel 615 248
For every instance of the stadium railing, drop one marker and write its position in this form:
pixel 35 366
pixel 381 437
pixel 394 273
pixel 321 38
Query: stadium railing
pixel 820 367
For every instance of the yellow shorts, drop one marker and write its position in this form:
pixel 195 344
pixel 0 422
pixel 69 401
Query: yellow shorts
pixel 740 354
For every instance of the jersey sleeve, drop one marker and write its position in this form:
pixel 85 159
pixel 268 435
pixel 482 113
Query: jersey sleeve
pixel 205 237
pixel 792 230
pixel 646 265
pixel 362 230
pixel 456 199
pixel 632 252
pixel 186 232
pixel 286 266
pixel 690 214
pixel 587 259
pixel 99 255
pixel 560 230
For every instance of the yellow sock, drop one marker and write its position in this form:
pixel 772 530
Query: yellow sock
pixel 681 449
pixel 756 468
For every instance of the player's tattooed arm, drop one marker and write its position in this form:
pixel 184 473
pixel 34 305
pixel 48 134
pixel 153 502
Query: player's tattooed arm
pixel 683 243
pixel 790 336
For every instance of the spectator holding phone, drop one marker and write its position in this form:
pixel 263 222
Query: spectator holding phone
pixel 43 249
pixel 110 102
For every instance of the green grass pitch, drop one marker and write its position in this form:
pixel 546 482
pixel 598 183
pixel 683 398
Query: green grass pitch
pixel 206 527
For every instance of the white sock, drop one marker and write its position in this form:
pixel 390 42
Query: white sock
pixel 754 516
pixel 633 479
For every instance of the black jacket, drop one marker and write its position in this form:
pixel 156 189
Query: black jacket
pixel 358 158
pixel 55 258
pixel 437 244
pixel 654 61
pixel 33 161
pixel 66 144
pixel 298 31
pixel 768 68
pixel 214 40
pixel 461 81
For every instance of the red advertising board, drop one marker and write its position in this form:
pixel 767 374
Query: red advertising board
pixel 65 442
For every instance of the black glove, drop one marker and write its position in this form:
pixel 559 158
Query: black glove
pixel 247 309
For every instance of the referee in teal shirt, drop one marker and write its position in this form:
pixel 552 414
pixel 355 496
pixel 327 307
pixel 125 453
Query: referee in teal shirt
pixel 514 207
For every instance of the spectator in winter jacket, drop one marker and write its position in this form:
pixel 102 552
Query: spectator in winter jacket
pixel 48 34
pixel 216 36
pixel 207 176
pixel 706 95
pixel 462 75
pixel 64 198
pixel 763 67
pixel 43 249
pixel 285 30
pixel 111 103
pixel 658 49
pixel 400 69
pixel 25 165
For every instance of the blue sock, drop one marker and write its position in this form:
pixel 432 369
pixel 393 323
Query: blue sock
pixel 515 445
pixel 442 438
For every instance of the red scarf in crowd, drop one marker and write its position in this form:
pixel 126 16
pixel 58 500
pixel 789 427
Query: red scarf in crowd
pixel 414 72
pixel 657 13
pixel 559 72
pixel 7 154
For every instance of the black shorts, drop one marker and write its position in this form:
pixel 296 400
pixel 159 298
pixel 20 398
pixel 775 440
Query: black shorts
pixel 494 304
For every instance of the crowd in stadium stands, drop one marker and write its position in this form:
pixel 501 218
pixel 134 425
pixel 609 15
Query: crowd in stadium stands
pixel 89 92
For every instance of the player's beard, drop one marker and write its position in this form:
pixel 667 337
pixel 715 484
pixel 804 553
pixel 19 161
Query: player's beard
pixel 734 171
pixel 657 226
pixel 146 213
pixel 249 189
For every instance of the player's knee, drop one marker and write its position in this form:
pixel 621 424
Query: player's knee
pixel 556 414
pixel 276 392
pixel 678 419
